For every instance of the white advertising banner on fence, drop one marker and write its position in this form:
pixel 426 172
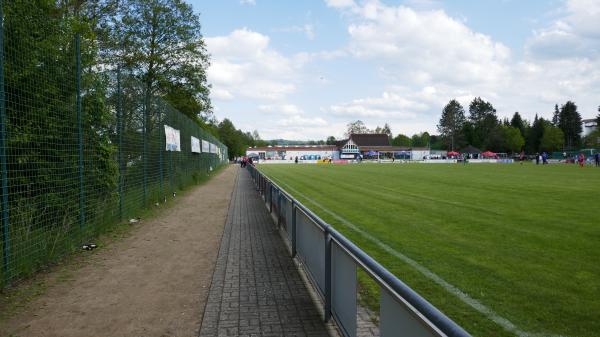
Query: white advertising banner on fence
pixel 205 146
pixel 213 148
pixel 195 145
pixel 172 139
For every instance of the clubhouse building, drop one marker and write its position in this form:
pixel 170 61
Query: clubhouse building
pixel 356 147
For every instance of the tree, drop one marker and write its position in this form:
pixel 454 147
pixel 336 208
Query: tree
pixel 232 138
pixel 162 45
pixel 40 86
pixel 556 116
pixel 468 131
pixel 495 141
pixel 436 143
pixel 387 130
pixel 451 123
pixel 535 134
pixel 593 139
pixel 518 123
pixel 356 127
pixel 257 140
pixel 513 140
pixel 598 119
pixel 553 139
pixel 420 140
pixel 401 140
pixel 570 124
pixel 483 117
pixel 330 140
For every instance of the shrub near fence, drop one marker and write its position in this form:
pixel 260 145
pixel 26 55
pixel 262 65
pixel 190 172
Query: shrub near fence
pixel 80 149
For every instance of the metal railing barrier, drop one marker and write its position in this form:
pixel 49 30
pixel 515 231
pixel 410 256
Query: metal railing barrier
pixel 331 262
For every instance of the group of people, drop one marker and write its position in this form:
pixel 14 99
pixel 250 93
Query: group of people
pixel 246 161
pixel 580 159
pixel 575 159
pixel 541 158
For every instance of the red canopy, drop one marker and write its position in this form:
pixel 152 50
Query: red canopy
pixel 453 153
pixel 488 154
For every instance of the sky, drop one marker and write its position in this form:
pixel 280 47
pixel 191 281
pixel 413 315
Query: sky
pixel 305 69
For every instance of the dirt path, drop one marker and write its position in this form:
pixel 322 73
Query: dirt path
pixel 152 283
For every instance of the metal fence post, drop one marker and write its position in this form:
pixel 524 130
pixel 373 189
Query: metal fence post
pixel 162 146
pixel 145 153
pixel 120 135
pixel 80 131
pixel 3 166
pixel 171 171
pixel 327 275
pixel 294 228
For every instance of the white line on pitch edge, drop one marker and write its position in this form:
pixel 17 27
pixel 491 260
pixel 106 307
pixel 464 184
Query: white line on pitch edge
pixel 475 304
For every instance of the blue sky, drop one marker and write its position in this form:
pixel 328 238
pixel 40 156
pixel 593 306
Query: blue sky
pixel 304 69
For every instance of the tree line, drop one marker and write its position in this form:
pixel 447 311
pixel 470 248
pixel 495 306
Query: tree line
pixel 482 128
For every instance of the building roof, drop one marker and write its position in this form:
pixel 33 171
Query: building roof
pixel 370 139
pixel 591 120
pixel 295 148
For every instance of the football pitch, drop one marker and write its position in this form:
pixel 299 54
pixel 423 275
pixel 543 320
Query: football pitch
pixel 502 249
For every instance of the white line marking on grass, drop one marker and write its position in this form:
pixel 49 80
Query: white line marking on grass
pixel 475 304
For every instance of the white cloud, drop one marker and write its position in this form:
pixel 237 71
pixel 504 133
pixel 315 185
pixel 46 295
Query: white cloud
pixel 245 65
pixel 297 121
pixel 340 3
pixel 428 46
pixel 389 105
pixel 307 29
pixel 286 109
pixel 301 128
pixel 222 94
pixel 248 2
pixel 423 4
pixel 575 34
pixel 407 110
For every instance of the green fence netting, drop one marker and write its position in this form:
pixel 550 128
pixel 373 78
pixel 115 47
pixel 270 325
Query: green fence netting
pixel 80 148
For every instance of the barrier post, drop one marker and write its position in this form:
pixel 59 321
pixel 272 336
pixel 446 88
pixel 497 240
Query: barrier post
pixel 293 228
pixel 279 209
pixel 270 198
pixel 327 313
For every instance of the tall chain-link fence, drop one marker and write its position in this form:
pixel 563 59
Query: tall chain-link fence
pixel 81 148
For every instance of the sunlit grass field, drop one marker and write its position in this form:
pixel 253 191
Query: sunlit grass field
pixel 522 240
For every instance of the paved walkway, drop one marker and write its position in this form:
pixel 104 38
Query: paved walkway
pixel 256 289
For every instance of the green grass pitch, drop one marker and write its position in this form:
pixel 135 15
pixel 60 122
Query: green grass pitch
pixel 521 240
